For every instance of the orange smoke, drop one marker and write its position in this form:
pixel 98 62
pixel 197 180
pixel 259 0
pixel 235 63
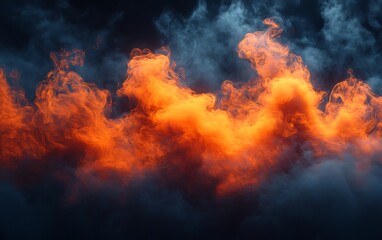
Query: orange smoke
pixel 235 139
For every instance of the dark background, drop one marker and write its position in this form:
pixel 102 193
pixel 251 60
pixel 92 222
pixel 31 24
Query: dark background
pixel 331 36
pixel 325 200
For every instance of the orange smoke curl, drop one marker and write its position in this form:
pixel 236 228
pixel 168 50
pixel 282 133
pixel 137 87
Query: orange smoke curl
pixel 236 138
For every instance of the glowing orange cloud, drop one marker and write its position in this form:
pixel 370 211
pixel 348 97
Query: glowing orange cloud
pixel 236 138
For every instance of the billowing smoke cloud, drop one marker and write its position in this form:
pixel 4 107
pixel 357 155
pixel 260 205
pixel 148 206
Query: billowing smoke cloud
pixel 213 40
pixel 337 196
pixel 331 36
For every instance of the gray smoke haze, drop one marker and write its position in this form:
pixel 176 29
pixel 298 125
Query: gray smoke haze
pixel 329 199
pixel 331 36
pixel 205 46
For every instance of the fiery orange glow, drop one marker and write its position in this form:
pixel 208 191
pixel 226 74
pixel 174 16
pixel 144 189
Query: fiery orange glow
pixel 236 138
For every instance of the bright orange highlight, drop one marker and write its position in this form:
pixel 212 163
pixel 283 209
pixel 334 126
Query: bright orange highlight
pixel 237 138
